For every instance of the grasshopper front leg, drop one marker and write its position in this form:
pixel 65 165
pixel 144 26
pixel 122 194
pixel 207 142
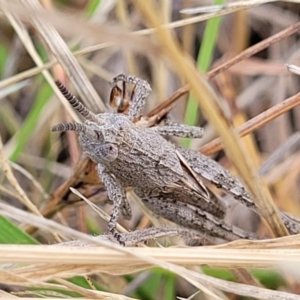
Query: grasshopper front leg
pixel 139 95
pixel 116 194
pixel 179 130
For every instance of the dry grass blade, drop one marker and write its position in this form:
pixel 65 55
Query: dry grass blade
pixel 99 211
pixel 11 193
pixel 65 57
pixel 30 177
pixel 26 74
pixel 136 256
pixel 247 290
pixel 208 101
pixel 92 293
pixel 233 61
pixel 287 242
pixel 105 260
pixel 226 7
pixel 13 88
pixel 255 123
pixel 97 33
pixel 113 260
pixel 188 21
pixel 293 69
pixel 255 49
pixel 288 147
pixel 13 181
pixel 28 44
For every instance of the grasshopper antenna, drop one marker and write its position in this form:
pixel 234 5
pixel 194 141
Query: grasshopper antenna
pixel 74 126
pixel 75 103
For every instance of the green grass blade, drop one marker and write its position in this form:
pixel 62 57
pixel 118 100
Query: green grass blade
pixel 12 234
pixel 30 123
pixel 3 58
pixel 92 6
pixel 92 227
pixel 204 59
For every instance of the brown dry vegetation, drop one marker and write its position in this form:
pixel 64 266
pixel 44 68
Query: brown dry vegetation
pixel 242 83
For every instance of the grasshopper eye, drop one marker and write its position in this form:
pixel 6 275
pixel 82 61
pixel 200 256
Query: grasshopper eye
pixel 107 152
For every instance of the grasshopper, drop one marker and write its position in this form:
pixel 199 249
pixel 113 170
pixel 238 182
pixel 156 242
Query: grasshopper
pixel 171 180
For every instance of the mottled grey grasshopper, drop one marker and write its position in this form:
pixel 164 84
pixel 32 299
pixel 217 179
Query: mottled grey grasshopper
pixel 170 180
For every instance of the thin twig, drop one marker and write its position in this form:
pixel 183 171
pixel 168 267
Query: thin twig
pixel 13 181
pixel 255 123
pixel 226 65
